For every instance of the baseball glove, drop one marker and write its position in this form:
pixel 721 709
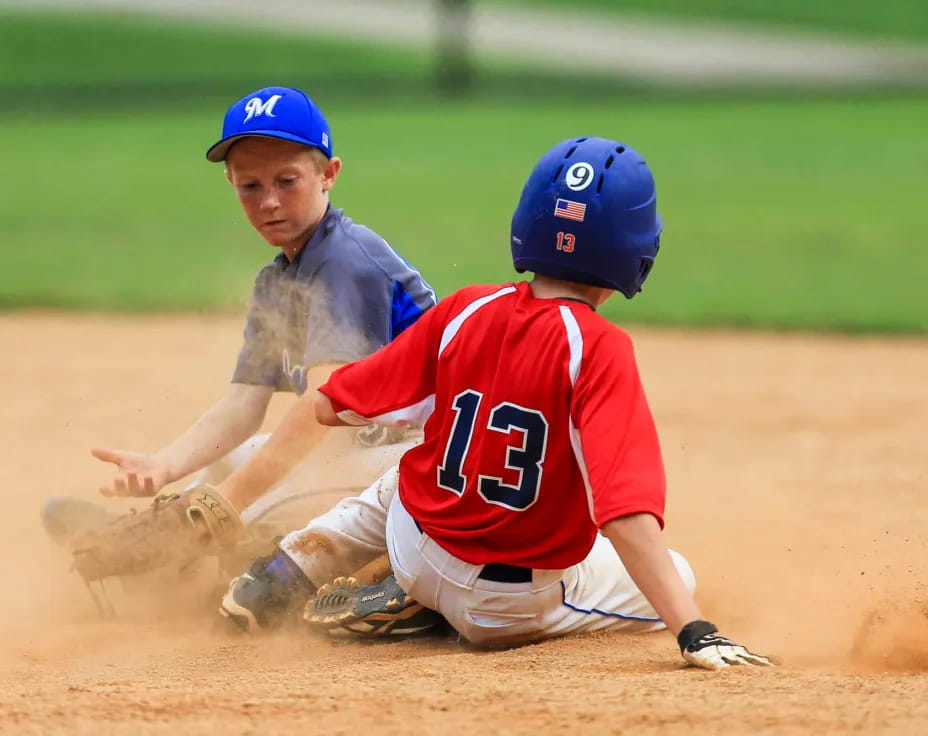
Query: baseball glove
pixel 176 528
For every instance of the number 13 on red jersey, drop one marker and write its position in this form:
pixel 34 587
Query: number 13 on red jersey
pixel 527 459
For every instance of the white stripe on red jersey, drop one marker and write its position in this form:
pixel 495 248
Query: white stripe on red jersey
pixel 454 325
pixel 575 342
pixel 403 417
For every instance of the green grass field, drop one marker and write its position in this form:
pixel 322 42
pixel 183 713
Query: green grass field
pixel 791 213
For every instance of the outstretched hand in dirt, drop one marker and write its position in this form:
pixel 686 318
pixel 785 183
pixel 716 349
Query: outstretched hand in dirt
pixel 139 474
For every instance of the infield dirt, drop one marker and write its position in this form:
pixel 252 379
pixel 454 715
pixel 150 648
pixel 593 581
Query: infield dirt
pixel 797 490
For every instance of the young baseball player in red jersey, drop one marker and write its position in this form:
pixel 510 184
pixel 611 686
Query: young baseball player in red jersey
pixel 534 506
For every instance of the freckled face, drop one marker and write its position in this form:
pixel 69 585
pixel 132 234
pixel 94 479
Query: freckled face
pixel 281 189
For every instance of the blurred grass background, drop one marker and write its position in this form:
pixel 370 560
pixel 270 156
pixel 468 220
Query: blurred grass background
pixel 902 19
pixel 781 210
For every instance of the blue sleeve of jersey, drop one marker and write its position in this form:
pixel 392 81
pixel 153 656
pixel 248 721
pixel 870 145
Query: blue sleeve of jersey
pixel 404 310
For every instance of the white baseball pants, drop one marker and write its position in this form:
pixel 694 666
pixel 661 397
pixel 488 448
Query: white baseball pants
pixel 595 594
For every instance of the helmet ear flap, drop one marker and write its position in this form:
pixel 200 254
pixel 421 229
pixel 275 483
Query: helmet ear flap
pixel 645 269
pixel 646 264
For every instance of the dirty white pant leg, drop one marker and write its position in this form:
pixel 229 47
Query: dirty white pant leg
pixel 346 537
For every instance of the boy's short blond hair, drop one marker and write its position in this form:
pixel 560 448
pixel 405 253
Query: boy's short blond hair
pixel 318 157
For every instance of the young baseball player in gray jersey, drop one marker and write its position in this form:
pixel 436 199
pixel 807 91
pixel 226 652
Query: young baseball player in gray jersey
pixel 343 296
pixel 336 292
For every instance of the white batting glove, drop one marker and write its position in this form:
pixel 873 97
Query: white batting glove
pixel 702 645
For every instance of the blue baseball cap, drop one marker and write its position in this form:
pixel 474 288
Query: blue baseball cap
pixel 274 112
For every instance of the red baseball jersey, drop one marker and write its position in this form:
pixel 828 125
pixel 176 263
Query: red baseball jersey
pixel 537 433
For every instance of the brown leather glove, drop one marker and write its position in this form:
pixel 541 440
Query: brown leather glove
pixel 175 529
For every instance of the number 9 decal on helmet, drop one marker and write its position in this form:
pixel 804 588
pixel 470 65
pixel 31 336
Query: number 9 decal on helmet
pixel 579 176
pixel 607 192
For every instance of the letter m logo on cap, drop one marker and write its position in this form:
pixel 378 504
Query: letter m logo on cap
pixel 255 107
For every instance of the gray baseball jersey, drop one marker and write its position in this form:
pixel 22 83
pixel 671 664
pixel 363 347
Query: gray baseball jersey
pixel 346 294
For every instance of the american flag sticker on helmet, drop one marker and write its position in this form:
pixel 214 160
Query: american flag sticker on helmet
pixel 570 210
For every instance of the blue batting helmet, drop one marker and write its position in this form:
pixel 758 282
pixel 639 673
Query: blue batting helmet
pixel 588 213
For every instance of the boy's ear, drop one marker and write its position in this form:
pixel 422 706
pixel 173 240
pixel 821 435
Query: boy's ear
pixel 228 175
pixel 330 173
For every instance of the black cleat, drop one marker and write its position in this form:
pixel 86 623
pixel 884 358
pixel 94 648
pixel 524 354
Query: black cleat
pixel 382 609
pixel 273 590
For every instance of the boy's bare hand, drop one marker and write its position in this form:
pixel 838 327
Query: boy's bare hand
pixel 139 474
